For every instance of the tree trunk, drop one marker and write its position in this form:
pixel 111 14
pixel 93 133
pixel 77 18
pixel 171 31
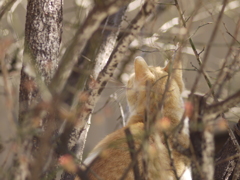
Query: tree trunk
pixel 104 46
pixel 42 41
pixel 40 60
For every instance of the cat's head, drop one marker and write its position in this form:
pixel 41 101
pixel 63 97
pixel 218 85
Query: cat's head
pixel 146 86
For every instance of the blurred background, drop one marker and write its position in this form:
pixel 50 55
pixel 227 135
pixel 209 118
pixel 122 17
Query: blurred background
pixel 155 43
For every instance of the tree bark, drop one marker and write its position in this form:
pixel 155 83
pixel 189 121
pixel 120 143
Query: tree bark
pixel 40 60
pixel 199 142
pixel 42 41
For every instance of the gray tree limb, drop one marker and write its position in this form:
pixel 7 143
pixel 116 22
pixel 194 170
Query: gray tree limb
pixel 96 86
pixel 83 34
pixel 109 38
pixel 102 58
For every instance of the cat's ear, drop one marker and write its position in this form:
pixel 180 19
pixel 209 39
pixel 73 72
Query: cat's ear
pixel 142 72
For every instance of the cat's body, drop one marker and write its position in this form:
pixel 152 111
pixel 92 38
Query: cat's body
pixel 111 157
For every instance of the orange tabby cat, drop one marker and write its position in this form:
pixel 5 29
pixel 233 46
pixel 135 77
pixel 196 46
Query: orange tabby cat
pixel 154 156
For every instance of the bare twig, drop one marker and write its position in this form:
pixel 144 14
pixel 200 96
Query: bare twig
pixel 233 36
pixel 223 71
pixel 101 108
pixel 132 152
pixel 224 105
pixel 170 157
pixel 196 32
pixel 222 74
pixel 208 47
pixel 114 96
pixel 227 159
pixel 197 55
pixel 130 166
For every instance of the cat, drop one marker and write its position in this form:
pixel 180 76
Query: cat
pixel 149 129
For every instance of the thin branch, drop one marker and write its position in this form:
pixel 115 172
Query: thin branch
pixel 105 104
pixel 222 75
pixel 233 36
pixel 197 30
pixel 228 73
pixel 131 165
pixel 208 48
pixel 114 97
pixel 197 55
pixel 227 159
pixel 170 157
pixel 224 70
pixel 133 155
pixel 224 105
